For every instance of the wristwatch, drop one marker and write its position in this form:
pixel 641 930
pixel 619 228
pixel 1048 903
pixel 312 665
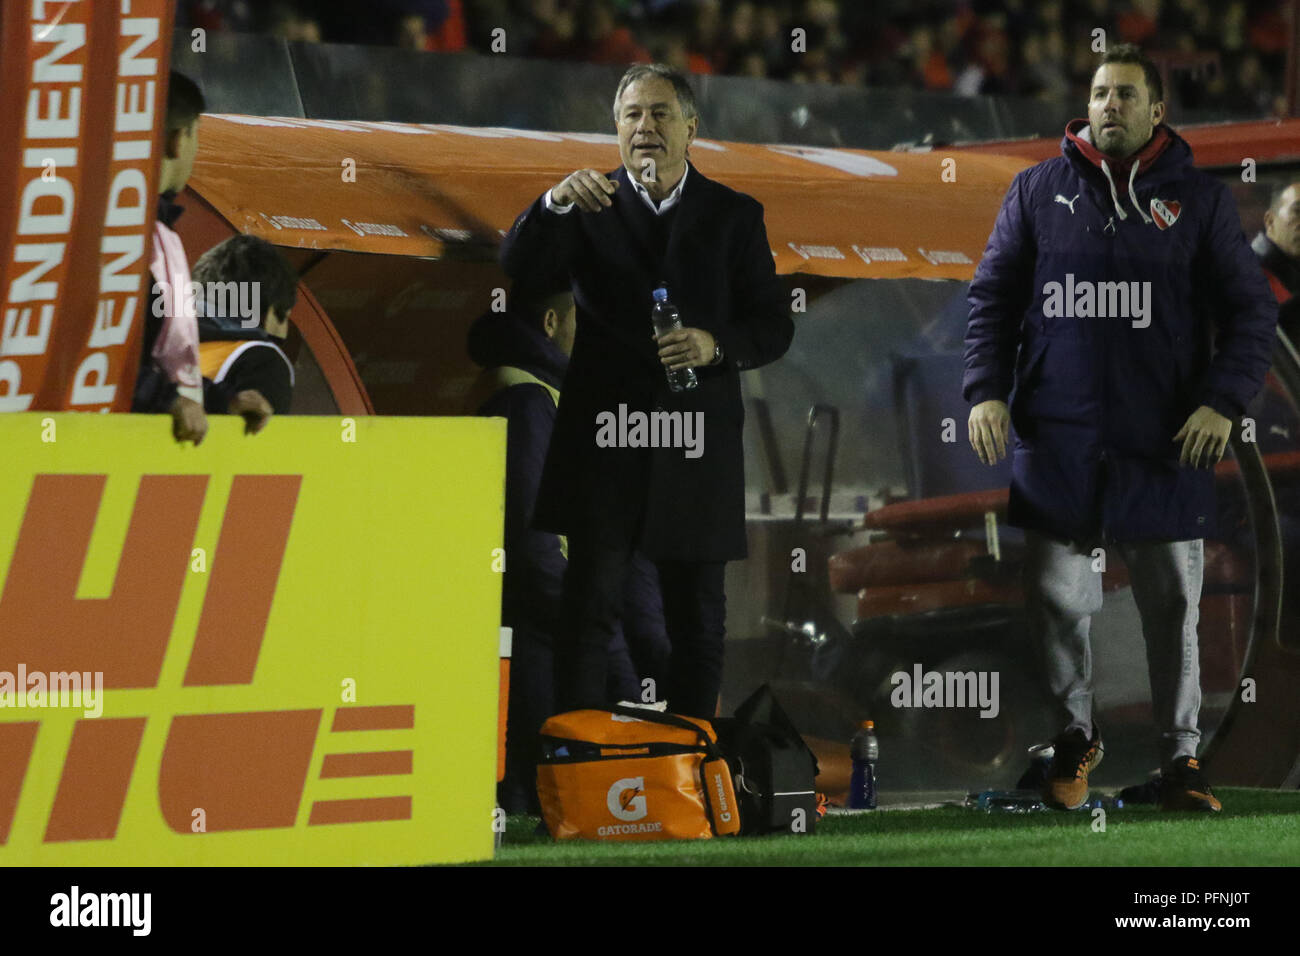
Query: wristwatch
pixel 717 353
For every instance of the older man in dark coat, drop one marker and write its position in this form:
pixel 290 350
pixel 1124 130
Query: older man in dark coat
pixel 610 483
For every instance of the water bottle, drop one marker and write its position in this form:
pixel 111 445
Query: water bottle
pixel 1029 801
pixel 1040 767
pixel 664 318
pixel 865 751
pixel 1007 801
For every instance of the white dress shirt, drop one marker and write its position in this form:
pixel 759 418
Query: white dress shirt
pixel 668 202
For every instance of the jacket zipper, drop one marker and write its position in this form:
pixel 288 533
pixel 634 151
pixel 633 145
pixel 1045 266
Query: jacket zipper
pixel 1103 346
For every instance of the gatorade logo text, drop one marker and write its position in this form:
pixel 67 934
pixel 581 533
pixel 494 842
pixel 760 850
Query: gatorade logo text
pixel 619 829
pixel 625 799
pixel 724 814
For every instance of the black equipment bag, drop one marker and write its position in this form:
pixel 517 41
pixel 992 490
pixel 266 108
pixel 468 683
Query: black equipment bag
pixel 772 768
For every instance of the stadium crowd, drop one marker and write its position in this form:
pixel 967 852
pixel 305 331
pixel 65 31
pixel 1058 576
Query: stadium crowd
pixel 969 47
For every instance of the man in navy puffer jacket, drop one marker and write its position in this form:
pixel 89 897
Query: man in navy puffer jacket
pixel 1120 309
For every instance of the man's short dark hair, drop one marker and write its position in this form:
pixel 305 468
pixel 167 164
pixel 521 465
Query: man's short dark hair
pixel 681 86
pixel 184 102
pixel 251 259
pixel 531 300
pixel 1132 53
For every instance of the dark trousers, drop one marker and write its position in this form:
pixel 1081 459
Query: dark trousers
pixel 695 611
pixel 532 700
pixel 638 651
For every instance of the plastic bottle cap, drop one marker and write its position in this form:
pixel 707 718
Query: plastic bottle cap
pixel 661 294
pixel 868 725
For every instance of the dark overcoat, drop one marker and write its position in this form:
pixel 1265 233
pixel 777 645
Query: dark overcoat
pixel 715 260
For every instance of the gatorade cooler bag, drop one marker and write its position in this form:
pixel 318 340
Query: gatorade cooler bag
pixel 632 774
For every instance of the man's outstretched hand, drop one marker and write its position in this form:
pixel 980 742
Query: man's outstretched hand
pixel 588 188
pixel 188 421
pixel 989 428
pixel 254 407
pixel 1204 436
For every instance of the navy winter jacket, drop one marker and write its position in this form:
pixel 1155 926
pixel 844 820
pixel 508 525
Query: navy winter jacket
pixel 1099 396
pixel 531 591
pixel 532 586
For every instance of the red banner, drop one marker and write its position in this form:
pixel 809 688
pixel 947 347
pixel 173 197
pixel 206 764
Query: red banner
pixel 83 91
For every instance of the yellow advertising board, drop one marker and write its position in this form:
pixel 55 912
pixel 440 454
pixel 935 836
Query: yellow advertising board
pixel 277 649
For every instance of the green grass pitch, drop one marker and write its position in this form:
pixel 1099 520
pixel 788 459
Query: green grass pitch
pixel 1256 828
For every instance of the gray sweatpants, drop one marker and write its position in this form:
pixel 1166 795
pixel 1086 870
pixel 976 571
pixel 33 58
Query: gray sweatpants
pixel 1062 593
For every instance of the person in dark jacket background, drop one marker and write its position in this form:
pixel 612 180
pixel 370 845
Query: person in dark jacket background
pixel 1107 271
pixel 245 369
pixel 168 378
pixel 1278 248
pixel 524 354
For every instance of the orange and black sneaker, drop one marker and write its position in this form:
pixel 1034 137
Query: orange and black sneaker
pixel 1183 787
pixel 1074 758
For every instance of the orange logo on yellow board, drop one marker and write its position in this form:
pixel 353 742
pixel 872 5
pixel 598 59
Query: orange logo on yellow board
pixel 246 770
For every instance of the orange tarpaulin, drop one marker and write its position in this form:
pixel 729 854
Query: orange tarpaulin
pixel 415 189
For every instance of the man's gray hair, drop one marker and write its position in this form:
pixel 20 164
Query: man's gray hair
pixel 685 95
